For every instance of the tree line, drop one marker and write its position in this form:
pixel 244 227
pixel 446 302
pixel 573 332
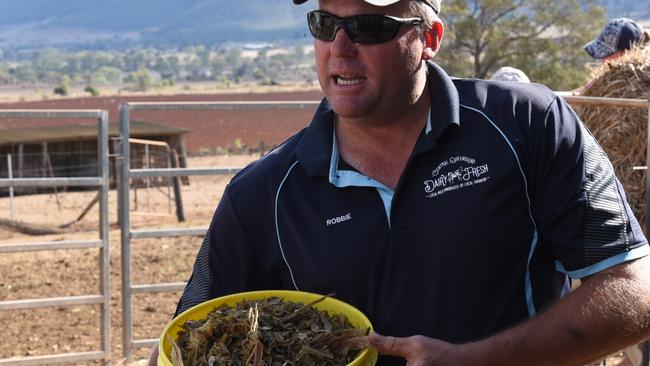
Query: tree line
pixel 147 68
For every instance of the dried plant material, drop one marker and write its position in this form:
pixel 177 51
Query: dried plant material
pixel 270 332
pixel 622 132
pixel 177 360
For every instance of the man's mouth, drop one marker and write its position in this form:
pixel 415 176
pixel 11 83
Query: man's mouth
pixel 347 80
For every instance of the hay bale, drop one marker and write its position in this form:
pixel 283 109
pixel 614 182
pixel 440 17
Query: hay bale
pixel 622 132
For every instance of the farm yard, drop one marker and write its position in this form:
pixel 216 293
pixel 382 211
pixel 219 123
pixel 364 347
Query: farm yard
pixel 47 274
pixel 215 139
pixel 72 292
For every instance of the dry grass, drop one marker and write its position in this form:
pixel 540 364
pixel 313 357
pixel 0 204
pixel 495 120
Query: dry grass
pixel 622 132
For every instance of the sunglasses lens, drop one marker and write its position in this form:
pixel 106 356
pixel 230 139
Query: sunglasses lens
pixel 366 29
pixel 372 29
pixel 322 25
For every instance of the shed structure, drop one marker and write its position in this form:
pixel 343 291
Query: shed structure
pixel 71 150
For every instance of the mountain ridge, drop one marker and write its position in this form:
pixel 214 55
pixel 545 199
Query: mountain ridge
pixel 122 23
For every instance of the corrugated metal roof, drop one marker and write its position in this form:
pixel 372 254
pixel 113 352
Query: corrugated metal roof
pixel 82 132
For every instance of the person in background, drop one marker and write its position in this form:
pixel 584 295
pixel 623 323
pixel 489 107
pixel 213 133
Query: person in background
pixel 507 73
pixel 618 36
pixel 450 211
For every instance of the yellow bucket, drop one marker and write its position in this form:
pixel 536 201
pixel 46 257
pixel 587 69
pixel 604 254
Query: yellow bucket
pixel 367 357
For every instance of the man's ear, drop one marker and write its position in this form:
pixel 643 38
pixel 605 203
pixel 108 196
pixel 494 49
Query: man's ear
pixel 433 39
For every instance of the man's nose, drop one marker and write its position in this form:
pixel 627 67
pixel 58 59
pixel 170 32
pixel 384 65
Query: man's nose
pixel 342 45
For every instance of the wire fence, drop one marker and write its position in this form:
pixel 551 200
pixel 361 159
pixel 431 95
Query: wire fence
pixel 76 163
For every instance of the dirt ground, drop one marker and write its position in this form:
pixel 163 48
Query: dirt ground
pixel 76 272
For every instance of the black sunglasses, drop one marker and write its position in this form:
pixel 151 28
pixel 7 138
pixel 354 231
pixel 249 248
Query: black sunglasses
pixel 363 28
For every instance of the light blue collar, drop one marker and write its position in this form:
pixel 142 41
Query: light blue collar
pixel 350 178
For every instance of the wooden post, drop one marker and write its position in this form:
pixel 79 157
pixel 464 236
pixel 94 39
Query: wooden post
pixel 169 180
pixel 12 211
pixel 135 194
pixel 180 213
pixel 56 193
pixel 44 159
pixel 182 158
pixel 147 179
pixel 20 160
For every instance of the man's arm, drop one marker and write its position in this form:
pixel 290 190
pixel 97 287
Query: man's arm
pixel 610 311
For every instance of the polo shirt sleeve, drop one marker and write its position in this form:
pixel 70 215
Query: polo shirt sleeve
pixel 227 262
pixel 580 206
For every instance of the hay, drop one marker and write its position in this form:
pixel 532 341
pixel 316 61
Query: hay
pixel 622 132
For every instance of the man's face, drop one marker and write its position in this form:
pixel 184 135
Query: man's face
pixel 371 81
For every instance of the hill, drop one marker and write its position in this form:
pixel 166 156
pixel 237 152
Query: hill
pixel 107 24
pixel 122 23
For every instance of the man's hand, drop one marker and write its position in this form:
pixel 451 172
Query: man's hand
pixel 417 350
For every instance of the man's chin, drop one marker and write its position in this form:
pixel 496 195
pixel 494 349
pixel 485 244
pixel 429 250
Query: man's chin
pixel 346 108
pixel 349 114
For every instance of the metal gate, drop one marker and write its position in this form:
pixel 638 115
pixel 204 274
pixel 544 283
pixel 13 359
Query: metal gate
pixel 102 183
pixel 125 173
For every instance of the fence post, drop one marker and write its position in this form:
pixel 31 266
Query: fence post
pixel 178 198
pixel 12 211
pixel 104 227
pixel 20 160
pixel 147 179
pixel 125 237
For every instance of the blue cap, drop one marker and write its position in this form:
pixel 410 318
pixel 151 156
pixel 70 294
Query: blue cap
pixel 619 34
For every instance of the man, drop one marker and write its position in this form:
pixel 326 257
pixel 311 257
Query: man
pixel 449 211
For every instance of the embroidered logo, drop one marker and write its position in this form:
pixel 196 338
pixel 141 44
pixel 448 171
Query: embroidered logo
pixel 455 173
pixel 339 219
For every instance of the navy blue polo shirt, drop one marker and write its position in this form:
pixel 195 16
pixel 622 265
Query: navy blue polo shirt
pixel 506 195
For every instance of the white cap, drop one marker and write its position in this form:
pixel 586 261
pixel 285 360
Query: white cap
pixel 434 4
pixel 508 73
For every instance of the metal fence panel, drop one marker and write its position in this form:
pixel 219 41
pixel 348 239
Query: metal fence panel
pixel 125 172
pixel 103 244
